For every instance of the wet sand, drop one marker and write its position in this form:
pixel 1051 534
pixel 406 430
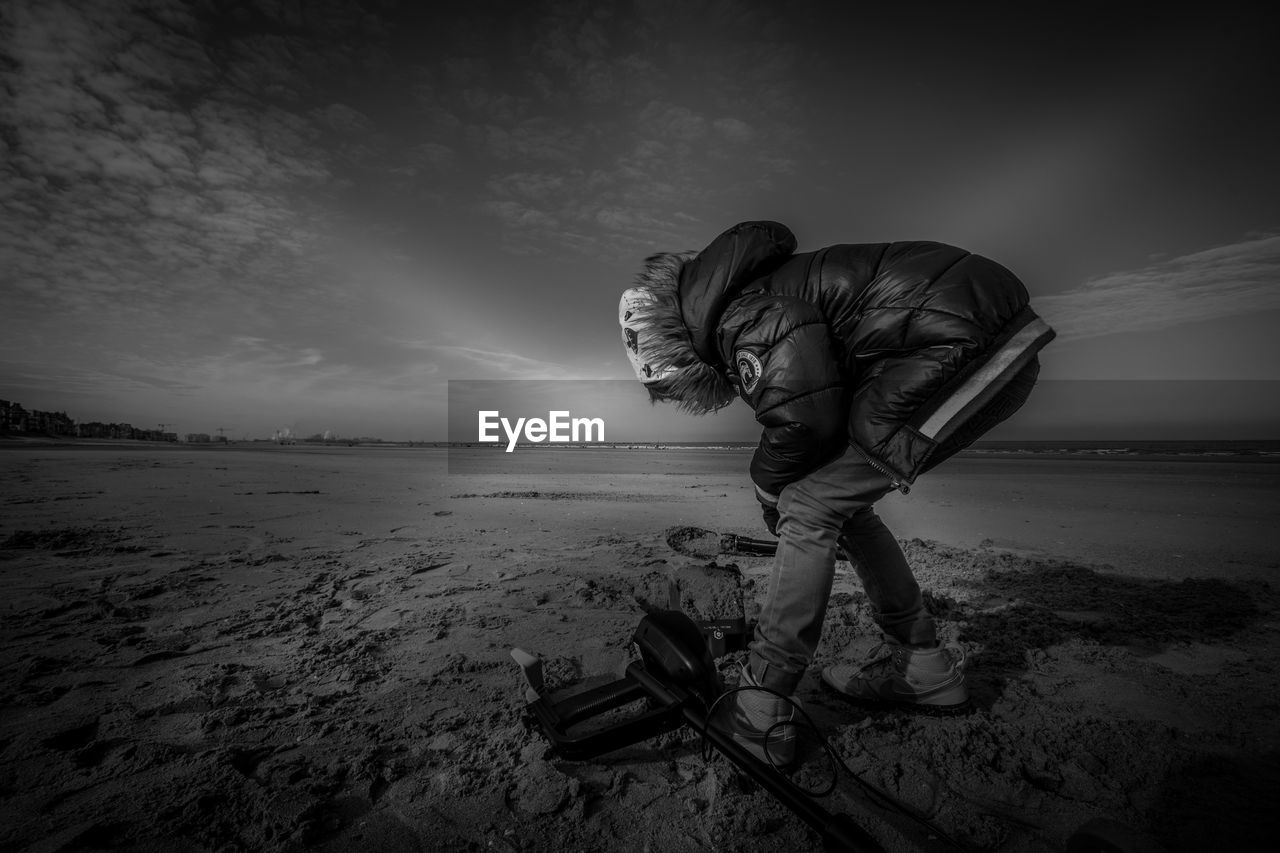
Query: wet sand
pixel 280 648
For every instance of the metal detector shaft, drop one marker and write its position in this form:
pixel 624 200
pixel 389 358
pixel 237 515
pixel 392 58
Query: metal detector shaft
pixel 838 831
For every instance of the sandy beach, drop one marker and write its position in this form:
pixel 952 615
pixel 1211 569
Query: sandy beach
pixel 287 648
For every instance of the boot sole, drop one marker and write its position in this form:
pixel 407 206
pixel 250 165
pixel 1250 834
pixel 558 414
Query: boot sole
pixel 955 710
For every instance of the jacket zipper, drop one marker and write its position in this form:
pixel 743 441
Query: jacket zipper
pixel 879 466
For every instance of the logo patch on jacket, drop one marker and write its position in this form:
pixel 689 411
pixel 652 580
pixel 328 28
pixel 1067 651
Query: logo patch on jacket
pixel 748 369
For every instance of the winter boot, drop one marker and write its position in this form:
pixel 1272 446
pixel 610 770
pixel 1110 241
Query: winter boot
pixel 894 674
pixel 752 715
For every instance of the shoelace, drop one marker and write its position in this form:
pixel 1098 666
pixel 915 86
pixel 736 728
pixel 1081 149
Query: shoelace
pixel 885 652
pixel 881 654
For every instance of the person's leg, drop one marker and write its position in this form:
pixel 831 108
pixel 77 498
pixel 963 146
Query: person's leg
pixel 896 602
pixel 909 667
pixel 812 513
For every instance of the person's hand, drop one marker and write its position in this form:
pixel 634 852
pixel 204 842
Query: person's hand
pixel 770 513
pixel 768 509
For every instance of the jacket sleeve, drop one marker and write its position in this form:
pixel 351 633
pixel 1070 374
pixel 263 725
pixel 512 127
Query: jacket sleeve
pixel 787 372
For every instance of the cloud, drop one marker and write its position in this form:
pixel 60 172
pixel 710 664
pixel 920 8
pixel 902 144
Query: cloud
pixel 1237 278
pixel 498 107
pixel 662 161
pixel 471 362
pixel 260 354
pixel 345 119
pixel 173 170
pixel 536 138
pixel 595 212
pixel 534 186
pixel 142 171
pixel 616 128
pixel 23 378
pixel 574 43
pixel 670 121
pixel 734 130
pixel 431 154
pixel 518 215
pixel 170 170
pixel 464 70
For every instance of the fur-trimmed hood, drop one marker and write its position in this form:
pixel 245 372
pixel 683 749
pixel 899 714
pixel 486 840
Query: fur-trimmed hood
pixel 654 328
pixel 682 296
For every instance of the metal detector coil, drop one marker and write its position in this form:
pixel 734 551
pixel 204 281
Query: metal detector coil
pixel 672 653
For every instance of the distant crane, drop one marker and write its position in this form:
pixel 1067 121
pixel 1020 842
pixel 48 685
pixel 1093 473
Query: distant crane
pixel 162 426
pixel 221 431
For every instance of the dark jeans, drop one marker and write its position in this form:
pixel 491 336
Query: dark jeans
pixel 836 503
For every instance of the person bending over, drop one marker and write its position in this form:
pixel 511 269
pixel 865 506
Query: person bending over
pixel 867 364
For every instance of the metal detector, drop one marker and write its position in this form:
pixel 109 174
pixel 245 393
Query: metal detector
pixel 676 679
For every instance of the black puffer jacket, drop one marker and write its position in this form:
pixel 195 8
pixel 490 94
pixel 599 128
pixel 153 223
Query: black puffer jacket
pixel 878 346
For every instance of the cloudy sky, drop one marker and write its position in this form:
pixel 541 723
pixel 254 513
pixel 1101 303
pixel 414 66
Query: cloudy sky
pixel 260 214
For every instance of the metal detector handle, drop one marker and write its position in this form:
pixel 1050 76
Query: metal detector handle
pixel 842 835
pixel 606 697
pixel 732 543
pixel 839 832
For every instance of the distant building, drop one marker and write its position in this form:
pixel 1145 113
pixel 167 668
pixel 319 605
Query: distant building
pixel 15 419
pixel 12 417
pixel 198 438
pixel 96 429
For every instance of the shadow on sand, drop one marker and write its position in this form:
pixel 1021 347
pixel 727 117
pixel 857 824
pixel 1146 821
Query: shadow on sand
pixel 1016 613
pixel 1220 802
